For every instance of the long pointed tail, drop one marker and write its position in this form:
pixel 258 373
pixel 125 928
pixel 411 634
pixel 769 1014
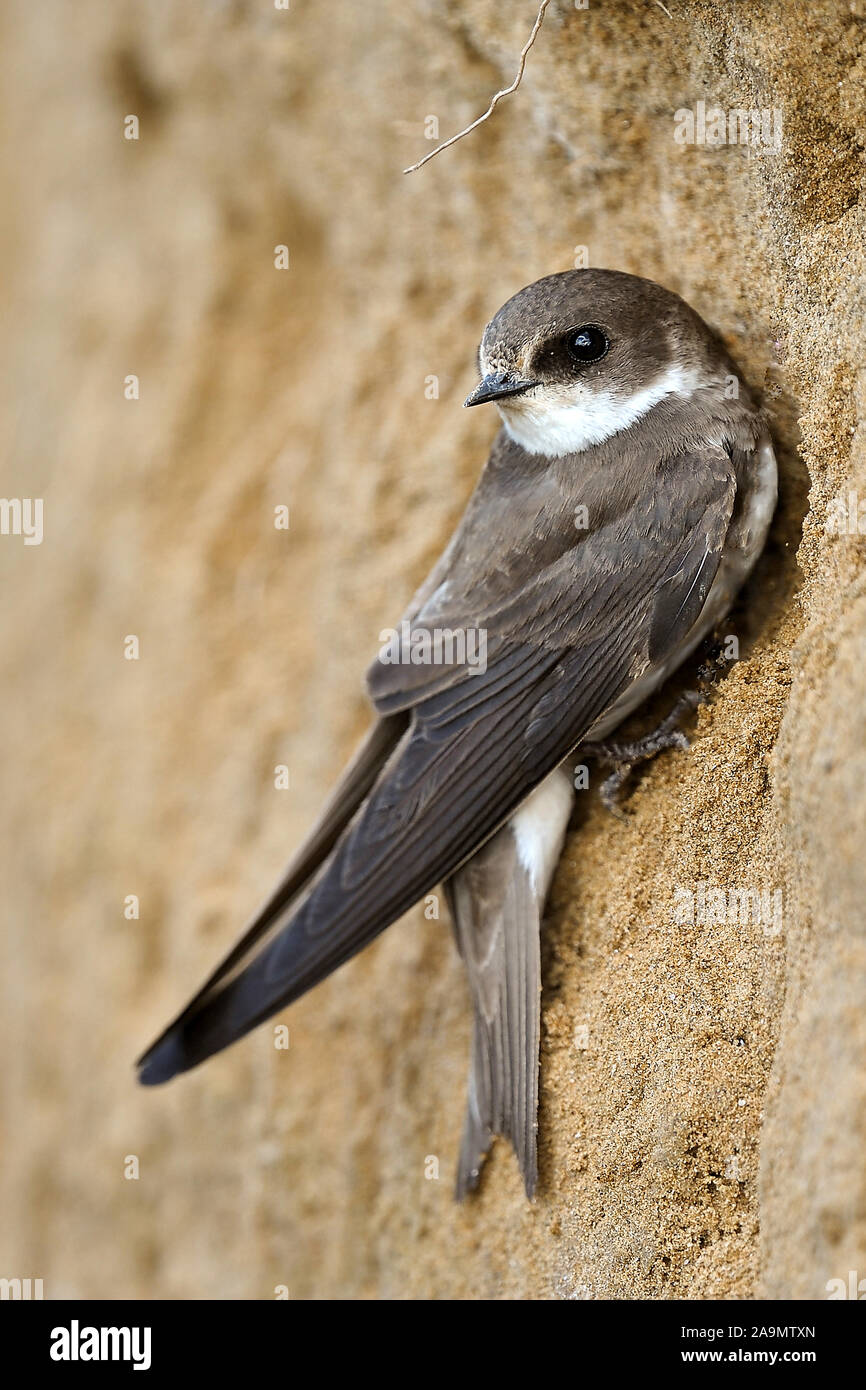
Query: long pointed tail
pixel 497 900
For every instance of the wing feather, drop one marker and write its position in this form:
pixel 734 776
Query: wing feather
pixel 562 646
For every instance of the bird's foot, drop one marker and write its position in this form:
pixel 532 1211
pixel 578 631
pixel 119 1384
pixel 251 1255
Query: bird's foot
pixel 624 757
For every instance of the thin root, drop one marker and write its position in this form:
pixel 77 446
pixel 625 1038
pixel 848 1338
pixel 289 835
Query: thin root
pixel 506 91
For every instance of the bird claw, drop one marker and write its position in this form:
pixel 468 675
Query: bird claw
pixel 624 757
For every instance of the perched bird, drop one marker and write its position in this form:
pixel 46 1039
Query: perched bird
pixel 625 499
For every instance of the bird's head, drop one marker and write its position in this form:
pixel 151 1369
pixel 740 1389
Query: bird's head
pixel 577 357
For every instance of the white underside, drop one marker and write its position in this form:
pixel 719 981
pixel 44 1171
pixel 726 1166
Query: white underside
pixel 568 420
pixel 539 828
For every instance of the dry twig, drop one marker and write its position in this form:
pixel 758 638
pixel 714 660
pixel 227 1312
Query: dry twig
pixel 506 91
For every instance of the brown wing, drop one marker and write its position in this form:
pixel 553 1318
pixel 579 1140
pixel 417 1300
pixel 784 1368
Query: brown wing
pixel 589 614
pixel 350 791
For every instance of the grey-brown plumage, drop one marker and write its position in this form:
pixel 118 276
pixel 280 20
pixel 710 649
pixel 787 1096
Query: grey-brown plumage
pixel 496 901
pixel 497 921
pixel 622 505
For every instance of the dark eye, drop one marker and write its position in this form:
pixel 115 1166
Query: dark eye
pixel 587 344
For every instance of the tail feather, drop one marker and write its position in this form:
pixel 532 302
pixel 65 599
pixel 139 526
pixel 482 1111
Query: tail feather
pixel 497 900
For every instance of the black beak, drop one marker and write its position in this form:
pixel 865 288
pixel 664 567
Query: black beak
pixel 495 386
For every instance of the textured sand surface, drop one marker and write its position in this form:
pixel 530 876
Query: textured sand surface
pixel 703 1087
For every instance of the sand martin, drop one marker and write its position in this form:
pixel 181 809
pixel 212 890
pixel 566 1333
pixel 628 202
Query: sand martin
pixel 626 498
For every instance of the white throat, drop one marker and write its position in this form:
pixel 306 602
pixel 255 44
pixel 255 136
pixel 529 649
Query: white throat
pixel 570 421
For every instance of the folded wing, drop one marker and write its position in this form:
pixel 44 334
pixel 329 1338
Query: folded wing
pixel 460 748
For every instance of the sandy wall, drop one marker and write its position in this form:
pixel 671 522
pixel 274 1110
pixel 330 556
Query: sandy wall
pixel 708 1139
